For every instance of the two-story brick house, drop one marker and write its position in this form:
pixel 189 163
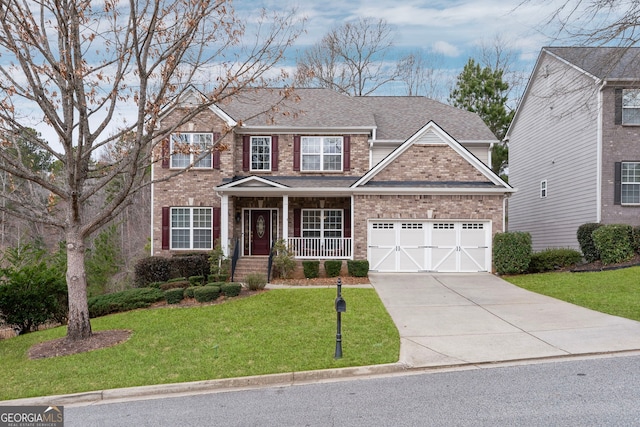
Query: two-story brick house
pixel 574 144
pixel 400 181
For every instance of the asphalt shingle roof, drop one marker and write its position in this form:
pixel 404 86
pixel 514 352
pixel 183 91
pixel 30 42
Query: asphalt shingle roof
pixel 612 63
pixel 395 118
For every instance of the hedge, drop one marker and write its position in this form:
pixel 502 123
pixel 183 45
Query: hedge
pixel 332 267
pixel 553 258
pixel 358 268
pixel 174 296
pixel 512 252
pixel 126 300
pixel 614 243
pixel 585 240
pixel 206 293
pixel 311 269
pixel 231 289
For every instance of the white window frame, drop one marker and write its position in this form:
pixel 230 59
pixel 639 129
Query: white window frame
pixel 324 214
pixel 180 159
pixel 626 182
pixel 175 226
pixel 324 141
pixel 266 163
pixel 543 189
pixel 631 106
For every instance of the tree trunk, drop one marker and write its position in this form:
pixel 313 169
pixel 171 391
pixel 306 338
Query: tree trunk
pixel 79 326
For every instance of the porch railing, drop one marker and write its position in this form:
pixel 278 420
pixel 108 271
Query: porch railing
pixel 321 247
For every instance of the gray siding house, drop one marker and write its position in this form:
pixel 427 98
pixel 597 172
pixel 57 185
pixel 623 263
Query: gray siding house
pixel 574 144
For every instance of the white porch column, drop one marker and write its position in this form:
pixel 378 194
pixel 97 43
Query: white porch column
pixel 224 224
pixel 285 218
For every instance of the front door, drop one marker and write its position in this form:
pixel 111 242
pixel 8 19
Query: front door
pixel 260 232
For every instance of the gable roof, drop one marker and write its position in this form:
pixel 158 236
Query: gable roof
pixel 493 179
pixel 605 63
pixel 387 118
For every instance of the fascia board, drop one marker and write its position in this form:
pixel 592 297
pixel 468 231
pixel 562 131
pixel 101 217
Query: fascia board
pixel 266 184
pixel 284 130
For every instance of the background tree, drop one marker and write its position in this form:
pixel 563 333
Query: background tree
pixel 77 64
pixel 482 90
pixel 350 59
pixel 417 72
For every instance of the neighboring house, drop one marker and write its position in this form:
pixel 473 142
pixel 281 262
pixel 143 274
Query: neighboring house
pixel 574 144
pixel 399 181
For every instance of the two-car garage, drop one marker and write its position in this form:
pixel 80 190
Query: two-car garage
pixel 429 245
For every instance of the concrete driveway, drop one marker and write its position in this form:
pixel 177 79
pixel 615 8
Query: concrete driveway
pixel 451 319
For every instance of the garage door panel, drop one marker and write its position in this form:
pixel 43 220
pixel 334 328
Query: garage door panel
pixel 424 245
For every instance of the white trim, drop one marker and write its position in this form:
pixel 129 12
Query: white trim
pixel 544 189
pixel 251 139
pixel 224 224
pixel 446 140
pixel 255 180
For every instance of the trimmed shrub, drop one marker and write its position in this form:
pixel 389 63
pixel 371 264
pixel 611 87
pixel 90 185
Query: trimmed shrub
pixel 512 252
pixel 553 258
pixel 358 268
pixel 174 296
pixel 636 239
pixel 151 269
pixel 129 299
pixel 33 295
pixel 231 289
pixel 195 264
pixel 174 284
pixel 188 292
pixel 311 269
pixel 613 242
pixel 206 293
pixel 332 267
pixel 197 280
pixel 256 281
pixel 585 240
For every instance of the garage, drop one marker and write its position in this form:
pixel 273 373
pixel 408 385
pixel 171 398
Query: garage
pixel 427 245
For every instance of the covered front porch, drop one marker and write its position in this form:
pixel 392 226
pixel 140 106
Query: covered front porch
pixel 314 224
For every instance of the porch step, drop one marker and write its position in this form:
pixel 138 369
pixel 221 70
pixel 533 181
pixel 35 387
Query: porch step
pixel 250 264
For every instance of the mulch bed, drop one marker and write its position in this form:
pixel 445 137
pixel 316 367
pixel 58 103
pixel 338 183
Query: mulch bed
pixel 599 266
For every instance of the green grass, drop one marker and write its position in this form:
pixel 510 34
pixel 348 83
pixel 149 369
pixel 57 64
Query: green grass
pixel 277 331
pixel 614 292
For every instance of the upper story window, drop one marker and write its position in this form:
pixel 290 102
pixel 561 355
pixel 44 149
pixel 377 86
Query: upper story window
pixel 631 106
pixel 191 228
pixel 543 189
pixel 630 183
pixel 321 153
pixel 188 148
pixel 260 153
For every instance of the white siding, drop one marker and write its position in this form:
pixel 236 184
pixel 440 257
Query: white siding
pixel 380 152
pixel 482 153
pixel 554 138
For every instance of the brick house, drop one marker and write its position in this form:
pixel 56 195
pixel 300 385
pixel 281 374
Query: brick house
pixel 402 182
pixel 573 144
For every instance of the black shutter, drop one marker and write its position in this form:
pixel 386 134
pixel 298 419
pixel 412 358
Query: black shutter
pixel 296 153
pixel 297 223
pixel 347 153
pixel 216 150
pixel 618 100
pixel 617 190
pixel 245 152
pixel 166 228
pixel 217 220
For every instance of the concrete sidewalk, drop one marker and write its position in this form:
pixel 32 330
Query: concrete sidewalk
pixel 455 319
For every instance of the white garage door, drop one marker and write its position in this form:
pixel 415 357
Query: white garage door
pixel 443 246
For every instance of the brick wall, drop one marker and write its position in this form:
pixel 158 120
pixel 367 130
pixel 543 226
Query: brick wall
pixel 619 143
pixel 486 207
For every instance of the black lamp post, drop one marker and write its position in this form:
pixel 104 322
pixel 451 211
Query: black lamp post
pixel 341 307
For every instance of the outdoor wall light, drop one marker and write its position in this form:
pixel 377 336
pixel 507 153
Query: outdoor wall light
pixel 238 217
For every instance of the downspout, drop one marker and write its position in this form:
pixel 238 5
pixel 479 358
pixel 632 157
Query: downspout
pixel 153 199
pixel 599 154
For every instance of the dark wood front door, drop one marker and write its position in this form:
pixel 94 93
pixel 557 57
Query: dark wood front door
pixel 260 232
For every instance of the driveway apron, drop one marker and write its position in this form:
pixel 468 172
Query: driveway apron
pixel 448 319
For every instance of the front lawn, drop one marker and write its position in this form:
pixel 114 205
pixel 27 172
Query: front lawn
pixel 614 292
pixel 273 332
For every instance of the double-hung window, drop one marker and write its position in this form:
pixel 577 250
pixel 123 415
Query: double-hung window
pixel 187 148
pixel 260 153
pixel 630 183
pixel 326 223
pixel 631 106
pixel 191 228
pixel 321 153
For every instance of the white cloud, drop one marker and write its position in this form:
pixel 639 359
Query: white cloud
pixel 445 48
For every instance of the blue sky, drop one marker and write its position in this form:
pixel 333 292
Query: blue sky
pixel 452 29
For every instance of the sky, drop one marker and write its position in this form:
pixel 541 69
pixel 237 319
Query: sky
pixel 452 31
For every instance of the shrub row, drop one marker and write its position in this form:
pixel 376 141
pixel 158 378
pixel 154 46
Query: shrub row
pixel 553 259
pixel 161 269
pixel 610 243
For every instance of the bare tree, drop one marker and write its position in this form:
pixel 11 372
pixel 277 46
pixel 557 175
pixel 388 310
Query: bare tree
pixel 351 59
pixel 75 64
pixel 418 72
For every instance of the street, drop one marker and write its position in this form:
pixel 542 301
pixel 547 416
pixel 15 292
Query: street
pixel 590 392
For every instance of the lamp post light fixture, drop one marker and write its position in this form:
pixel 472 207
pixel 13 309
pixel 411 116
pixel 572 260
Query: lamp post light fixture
pixel 341 307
